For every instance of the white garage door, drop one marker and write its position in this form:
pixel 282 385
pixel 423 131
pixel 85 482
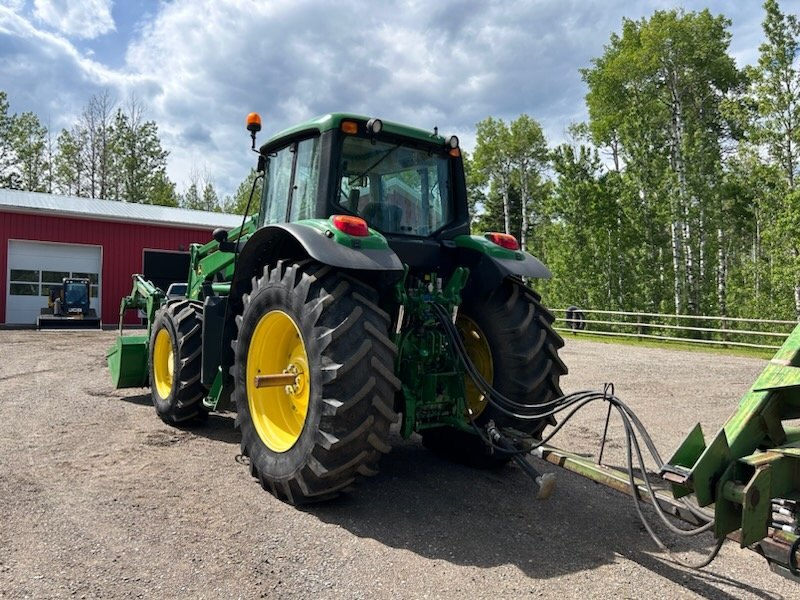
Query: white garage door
pixel 34 266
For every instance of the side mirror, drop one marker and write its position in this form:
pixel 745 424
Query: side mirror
pixel 220 235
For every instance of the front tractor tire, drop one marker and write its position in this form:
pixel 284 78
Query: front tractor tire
pixel 175 362
pixel 311 437
pixel 510 339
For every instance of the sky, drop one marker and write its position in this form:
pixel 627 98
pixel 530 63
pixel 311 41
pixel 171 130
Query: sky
pixel 200 66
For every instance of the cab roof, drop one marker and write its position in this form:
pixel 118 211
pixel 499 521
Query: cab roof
pixel 334 121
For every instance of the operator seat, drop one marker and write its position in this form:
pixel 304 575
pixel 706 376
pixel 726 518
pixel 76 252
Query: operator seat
pixel 384 217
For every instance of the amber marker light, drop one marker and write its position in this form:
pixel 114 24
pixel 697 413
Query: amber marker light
pixel 504 240
pixel 355 226
pixel 253 122
pixel 350 127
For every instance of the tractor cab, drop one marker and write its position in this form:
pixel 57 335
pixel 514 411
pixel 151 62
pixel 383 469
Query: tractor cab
pixel 75 296
pixel 69 305
pixel 405 183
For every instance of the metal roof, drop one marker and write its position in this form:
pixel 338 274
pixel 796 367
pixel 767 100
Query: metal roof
pixel 111 210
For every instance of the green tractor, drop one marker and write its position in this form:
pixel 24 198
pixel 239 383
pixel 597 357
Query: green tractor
pixel 355 297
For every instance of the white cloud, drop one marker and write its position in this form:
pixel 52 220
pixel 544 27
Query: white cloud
pixel 15 5
pixel 447 64
pixel 85 19
pixel 43 72
pixel 202 65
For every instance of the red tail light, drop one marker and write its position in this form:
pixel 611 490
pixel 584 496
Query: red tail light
pixel 350 225
pixel 505 240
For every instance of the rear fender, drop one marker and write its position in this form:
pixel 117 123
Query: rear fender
pixel 316 239
pixel 490 264
pixel 371 259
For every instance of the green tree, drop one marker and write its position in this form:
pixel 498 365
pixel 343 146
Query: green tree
pixel 70 171
pixel 775 88
pixel 7 156
pixel 201 193
pixel 530 157
pixel 511 157
pixel 237 204
pixel 655 96
pixel 584 238
pixel 162 191
pixel 138 156
pixel 492 161
pixel 29 142
pixel 210 200
pixel 191 198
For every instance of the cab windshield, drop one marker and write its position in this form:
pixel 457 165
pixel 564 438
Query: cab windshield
pixel 397 189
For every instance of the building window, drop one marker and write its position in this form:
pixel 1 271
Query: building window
pixel 30 282
pixel 24 289
pixel 24 282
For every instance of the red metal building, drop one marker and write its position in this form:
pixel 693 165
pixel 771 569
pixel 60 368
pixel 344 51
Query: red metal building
pixel 44 238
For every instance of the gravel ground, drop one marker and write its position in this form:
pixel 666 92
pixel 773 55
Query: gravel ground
pixel 100 499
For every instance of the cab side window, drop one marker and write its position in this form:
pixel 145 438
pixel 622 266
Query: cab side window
pixel 306 180
pixel 279 177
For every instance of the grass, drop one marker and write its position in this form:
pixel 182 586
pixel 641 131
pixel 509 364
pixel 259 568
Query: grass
pixel 685 346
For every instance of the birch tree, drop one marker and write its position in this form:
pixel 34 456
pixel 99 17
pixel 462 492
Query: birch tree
pixel 656 93
pixel 492 160
pixel 776 91
pixel 529 156
pixel 511 159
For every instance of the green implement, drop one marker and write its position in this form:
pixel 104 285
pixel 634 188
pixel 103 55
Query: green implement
pixel 127 358
pixel 754 460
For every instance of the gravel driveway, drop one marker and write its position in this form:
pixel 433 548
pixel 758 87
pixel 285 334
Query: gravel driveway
pixel 100 499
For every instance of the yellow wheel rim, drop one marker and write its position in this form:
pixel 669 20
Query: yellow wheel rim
pixel 481 355
pixel 163 363
pixel 278 413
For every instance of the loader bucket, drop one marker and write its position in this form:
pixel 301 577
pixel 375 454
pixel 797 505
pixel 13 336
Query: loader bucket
pixel 127 361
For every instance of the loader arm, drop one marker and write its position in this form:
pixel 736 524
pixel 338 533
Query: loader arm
pixel 144 296
pixel 216 260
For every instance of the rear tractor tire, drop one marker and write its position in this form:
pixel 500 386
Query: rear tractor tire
pixel 175 362
pixel 510 339
pixel 312 437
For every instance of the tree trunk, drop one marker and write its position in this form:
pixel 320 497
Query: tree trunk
pixel 506 205
pixel 523 234
pixel 676 265
pixel 796 257
pixel 688 256
pixel 797 300
pixel 722 273
pixel 756 257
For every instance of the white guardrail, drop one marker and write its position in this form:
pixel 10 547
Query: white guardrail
pixel 692 329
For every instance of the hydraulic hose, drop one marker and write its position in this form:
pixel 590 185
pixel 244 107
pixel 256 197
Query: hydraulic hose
pixel 631 423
